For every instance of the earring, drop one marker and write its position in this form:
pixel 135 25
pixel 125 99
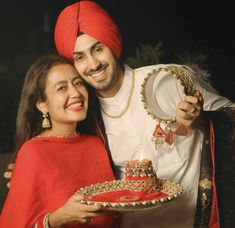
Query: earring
pixel 45 122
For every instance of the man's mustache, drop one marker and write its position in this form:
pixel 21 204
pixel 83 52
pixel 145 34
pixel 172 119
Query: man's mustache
pixel 98 69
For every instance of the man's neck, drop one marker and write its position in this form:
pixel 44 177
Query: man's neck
pixel 116 85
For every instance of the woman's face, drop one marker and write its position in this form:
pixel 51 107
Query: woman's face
pixel 67 97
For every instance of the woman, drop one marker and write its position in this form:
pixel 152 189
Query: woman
pixel 56 155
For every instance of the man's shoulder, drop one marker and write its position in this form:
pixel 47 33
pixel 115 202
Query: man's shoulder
pixel 148 69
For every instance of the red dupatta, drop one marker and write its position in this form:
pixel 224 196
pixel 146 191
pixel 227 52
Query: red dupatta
pixel 48 171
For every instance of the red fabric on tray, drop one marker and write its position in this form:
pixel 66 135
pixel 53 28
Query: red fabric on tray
pixel 126 196
pixel 138 178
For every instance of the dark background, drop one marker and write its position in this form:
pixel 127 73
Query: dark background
pixel 26 32
pixel 201 26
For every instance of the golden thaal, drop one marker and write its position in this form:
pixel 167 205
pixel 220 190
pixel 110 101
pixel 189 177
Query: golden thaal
pixel 173 190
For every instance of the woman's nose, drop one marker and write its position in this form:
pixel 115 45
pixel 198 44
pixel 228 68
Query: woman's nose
pixel 75 92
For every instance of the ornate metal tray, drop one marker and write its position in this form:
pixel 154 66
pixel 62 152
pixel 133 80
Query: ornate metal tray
pixel 148 93
pixel 115 195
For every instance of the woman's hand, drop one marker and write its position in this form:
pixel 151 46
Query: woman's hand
pixel 74 211
pixel 189 111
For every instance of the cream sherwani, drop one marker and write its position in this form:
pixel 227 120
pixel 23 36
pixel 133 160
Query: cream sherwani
pixel 130 138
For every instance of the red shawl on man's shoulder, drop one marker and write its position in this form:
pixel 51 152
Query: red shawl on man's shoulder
pixel 47 173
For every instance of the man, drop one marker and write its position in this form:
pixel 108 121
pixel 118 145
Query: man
pixel 86 34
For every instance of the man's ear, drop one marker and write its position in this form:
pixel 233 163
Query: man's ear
pixel 41 106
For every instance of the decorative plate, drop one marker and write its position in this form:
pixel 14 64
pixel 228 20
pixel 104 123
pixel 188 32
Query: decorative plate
pixel 115 195
pixel 164 133
pixel 148 93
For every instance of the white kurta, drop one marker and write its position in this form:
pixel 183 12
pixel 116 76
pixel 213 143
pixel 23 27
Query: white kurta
pixel 130 138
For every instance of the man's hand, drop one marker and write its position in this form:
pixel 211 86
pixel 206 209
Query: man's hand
pixel 8 173
pixel 189 111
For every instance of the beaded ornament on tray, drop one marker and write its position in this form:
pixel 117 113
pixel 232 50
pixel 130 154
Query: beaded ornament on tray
pixel 163 135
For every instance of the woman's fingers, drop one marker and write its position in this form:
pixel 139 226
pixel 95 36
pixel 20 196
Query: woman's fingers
pixel 10 166
pixel 7 175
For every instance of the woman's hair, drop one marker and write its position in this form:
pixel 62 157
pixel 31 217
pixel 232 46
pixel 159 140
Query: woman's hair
pixel 29 118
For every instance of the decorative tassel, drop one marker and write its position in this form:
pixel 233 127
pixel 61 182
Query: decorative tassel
pixel 181 130
pixel 159 138
pixel 169 138
pixel 159 132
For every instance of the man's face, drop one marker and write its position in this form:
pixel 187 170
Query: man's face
pixel 95 63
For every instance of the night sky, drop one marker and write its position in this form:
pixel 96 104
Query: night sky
pixel 200 26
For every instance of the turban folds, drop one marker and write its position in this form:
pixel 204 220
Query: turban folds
pixel 89 18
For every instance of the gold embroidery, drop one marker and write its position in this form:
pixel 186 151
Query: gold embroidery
pixel 205 183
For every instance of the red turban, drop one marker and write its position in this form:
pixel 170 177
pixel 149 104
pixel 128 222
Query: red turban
pixel 89 18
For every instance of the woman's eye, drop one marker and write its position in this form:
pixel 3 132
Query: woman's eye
pixel 78 83
pixel 61 88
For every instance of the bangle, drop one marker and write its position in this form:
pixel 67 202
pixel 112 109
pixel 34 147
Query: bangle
pixel 46 221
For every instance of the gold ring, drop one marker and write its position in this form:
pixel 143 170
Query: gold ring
pixel 193 110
